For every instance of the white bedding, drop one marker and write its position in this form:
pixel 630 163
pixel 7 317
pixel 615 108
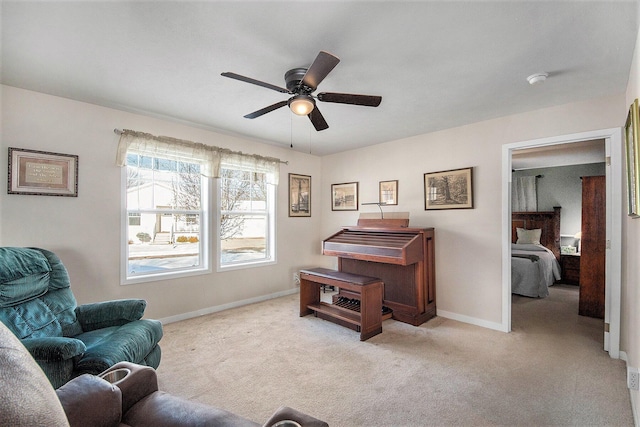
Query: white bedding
pixel 533 278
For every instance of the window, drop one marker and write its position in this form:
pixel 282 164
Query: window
pixel 246 218
pixel 166 193
pixel 134 219
pixel 165 231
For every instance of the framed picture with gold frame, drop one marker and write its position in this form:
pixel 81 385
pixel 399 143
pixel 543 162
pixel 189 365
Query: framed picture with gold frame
pixel 632 144
pixel 42 173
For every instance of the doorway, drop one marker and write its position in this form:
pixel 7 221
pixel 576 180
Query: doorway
pixel 614 161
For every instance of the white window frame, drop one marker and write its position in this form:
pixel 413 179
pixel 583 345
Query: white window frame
pixel 205 246
pixel 271 216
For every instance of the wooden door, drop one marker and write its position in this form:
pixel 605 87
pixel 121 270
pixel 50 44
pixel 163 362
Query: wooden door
pixel 593 247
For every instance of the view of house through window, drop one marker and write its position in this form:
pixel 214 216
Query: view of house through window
pixel 165 216
pixel 246 218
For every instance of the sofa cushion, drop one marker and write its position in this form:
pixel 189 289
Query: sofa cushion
pixel 59 278
pixel 131 342
pixel 16 263
pixel 53 314
pixel 32 319
pixel 35 297
pixel 54 349
pixel 22 289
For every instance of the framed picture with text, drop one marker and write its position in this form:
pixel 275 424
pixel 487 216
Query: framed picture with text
pixel 42 173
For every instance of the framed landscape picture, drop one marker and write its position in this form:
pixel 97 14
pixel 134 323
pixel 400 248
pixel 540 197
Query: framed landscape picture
pixel 42 173
pixel 344 197
pixel 299 195
pixel 451 189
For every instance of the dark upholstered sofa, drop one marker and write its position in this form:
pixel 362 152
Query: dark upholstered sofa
pixel 67 340
pixel 28 399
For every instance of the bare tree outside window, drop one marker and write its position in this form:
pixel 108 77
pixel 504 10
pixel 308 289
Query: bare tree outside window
pixel 244 221
pixel 238 191
pixel 189 187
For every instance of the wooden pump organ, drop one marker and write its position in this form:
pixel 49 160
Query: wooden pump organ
pixel 400 257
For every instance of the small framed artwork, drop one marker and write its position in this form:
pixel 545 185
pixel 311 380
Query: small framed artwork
pixel 451 189
pixel 299 195
pixel 632 144
pixel 42 173
pixel 344 197
pixel 388 192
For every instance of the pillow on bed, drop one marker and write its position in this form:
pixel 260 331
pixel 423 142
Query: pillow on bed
pixel 528 236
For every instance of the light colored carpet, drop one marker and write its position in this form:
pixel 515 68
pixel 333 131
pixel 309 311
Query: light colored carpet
pixel 549 371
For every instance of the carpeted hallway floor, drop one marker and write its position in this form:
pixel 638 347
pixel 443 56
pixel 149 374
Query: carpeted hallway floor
pixel 549 371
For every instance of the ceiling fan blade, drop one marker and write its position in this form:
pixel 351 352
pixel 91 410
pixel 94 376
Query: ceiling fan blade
pixel 255 82
pixel 318 120
pixel 347 98
pixel 266 110
pixel 322 65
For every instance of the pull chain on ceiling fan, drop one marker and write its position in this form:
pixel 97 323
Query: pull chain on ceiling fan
pixel 301 83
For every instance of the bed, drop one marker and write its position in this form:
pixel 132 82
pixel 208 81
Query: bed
pixel 535 252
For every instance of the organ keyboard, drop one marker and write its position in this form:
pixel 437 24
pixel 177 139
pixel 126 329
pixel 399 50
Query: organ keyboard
pixel 402 257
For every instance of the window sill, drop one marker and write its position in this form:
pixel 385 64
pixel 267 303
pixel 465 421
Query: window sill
pixel 164 276
pixel 245 265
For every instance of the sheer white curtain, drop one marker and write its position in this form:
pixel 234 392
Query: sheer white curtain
pixel 208 156
pixel 524 197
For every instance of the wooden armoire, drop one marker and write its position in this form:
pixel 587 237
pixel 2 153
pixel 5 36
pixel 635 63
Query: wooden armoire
pixel 593 247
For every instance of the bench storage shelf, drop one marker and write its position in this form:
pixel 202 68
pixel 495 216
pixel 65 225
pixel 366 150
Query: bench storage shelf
pixel 367 321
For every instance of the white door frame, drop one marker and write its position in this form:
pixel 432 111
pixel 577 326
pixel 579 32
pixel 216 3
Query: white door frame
pixel 614 174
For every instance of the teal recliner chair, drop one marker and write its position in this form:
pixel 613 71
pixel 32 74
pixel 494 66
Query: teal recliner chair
pixel 66 339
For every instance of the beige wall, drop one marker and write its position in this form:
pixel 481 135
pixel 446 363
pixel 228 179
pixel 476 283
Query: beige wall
pixel 468 242
pixel 630 316
pixel 86 231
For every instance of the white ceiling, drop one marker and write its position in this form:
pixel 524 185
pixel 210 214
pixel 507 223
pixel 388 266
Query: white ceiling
pixel 436 64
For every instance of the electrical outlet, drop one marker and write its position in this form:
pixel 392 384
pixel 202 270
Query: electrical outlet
pixel 296 279
pixel 633 380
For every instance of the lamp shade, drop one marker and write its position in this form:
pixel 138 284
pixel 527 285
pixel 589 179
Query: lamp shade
pixel 301 104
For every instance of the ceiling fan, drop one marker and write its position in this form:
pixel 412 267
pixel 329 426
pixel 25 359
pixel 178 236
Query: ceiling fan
pixel 301 83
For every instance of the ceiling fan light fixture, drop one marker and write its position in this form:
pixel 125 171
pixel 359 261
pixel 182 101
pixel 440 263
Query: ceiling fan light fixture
pixel 302 105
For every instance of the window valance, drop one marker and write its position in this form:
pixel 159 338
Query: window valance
pixel 209 157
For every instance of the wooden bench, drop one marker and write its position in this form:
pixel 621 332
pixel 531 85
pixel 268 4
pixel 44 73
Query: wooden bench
pixel 368 321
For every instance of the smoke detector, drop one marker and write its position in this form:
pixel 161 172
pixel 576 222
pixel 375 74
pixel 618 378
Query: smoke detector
pixel 537 78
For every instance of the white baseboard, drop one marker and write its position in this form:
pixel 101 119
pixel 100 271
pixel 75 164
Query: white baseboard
pixel 471 320
pixel 217 308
